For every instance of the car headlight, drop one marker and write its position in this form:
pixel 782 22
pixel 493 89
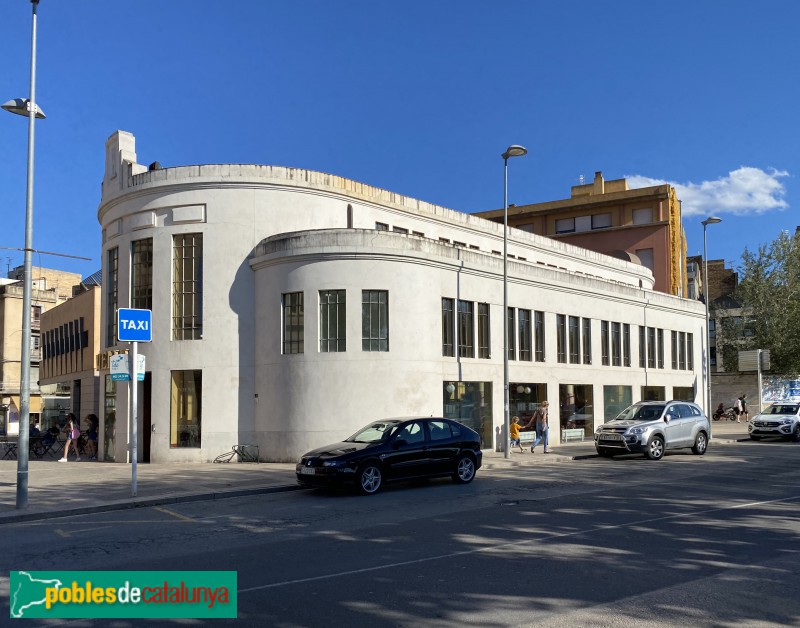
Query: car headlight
pixel 331 463
pixel 637 430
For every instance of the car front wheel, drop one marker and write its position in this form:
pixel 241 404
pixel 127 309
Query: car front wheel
pixel 370 479
pixel 796 433
pixel 655 448
pixel 700 444
pixel 465 470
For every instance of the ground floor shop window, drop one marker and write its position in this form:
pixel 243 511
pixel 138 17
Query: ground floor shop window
pixel 109 419
pixel 576 411
pixel 185 408
pixel 524 399
pixel 615 400
pixel 653 393
pixel 683 393
pixel 470 403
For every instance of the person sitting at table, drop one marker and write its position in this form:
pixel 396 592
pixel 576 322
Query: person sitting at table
pixel 34 431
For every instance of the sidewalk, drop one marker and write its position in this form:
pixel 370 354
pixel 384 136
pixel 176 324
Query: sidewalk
pixel 56 490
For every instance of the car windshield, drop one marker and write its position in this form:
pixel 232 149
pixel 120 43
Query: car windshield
pixel 374 432
pixel 781 409
pixel 640 413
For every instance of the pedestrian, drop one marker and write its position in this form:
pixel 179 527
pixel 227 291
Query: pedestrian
pixel 73 433
pixel 737 409
pixel 539 421
pixel 91 435
pixel 743 402
pixel 514 433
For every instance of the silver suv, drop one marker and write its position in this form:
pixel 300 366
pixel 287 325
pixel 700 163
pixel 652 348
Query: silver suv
pixel 779 419
pixel 652 427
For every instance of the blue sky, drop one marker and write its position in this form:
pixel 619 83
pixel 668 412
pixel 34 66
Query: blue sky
pixel 419 97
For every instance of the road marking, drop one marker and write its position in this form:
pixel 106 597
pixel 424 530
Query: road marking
pixel 167 511
pixel 515 544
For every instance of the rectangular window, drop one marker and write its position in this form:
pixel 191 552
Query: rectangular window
pixel 512 347
pixel 660 333
pixel 400 230
pixel 525 338
pixel 681 351
pixel 574 340
pixel 185 408
pixel 561 338
pixel 651 347
pixel 690 351
pixel 374 320
pixel 604 343
pixel 601 221
pixel 646 258
pixel 587 340
pixel 674 350
pixel 712 328
pixel 538 318
pixel 448 328
pixel 643 216
pixel 332 321
pixel 187 286
pixel 626 344
pixel 616 345
pixel 484 338
pixel 466 325
pixel 112 302
pixel 381 226
pixel 293 321
pixel 565 225
pixel 642 348
pixel 142 274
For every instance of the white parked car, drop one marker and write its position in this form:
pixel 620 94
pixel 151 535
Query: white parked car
pixel 779 419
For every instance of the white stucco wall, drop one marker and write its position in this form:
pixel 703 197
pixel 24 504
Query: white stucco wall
pixel 270 230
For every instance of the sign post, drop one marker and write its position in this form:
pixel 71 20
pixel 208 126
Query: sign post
pixel 134 326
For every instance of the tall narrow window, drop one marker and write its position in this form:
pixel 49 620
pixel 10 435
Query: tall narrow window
pixel 660 349
pixel 574 340
pixel 651 347
pixel 525 344
pixel 374 320
pixel 616 345
pixel 142 274
pixel 332 321
pixel 448 328
pixel 538 318
pixel 512 346
pixel 185 408
pixel 604 343
pixel 293 321
pixel 484 338
pixel 626 344
pixel 690 351
pixel 674 350
pixel 187 286
pixel 561 338
pixel 587 340
pixel 112 302
pixel 681 350
pixel 642 348
pixel 466 325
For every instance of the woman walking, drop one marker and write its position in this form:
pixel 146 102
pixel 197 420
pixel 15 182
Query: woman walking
pixel 539 420
pixel 73 433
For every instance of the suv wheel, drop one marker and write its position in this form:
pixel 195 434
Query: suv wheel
pixel 796 434
pixel 655 448
pixel 700 444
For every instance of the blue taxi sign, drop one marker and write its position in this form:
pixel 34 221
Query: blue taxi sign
pixel 134 325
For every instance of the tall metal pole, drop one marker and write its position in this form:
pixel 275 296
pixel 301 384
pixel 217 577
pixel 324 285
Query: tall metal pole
pixel 25 359
pixel 513 151
pixel 711 220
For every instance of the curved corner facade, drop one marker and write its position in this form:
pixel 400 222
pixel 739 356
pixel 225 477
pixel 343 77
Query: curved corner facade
pixel 290 307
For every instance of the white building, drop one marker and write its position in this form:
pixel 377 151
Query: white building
pixel 290 307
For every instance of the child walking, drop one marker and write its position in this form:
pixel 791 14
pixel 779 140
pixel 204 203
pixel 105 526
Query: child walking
pixel 514 434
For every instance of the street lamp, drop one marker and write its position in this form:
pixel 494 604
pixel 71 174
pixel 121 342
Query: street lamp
pixel 711 220
pixel 26 107
pixel 513 151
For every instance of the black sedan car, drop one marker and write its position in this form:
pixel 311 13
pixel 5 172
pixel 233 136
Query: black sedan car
pixel 395 449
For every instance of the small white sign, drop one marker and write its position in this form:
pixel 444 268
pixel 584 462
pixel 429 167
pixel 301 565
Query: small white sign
pixel 120 371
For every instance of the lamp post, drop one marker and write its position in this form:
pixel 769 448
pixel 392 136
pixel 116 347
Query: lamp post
pixel 711 220
pixel 26 107
pixel 513 151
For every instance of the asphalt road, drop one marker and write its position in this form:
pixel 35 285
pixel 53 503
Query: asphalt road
pixel 689 540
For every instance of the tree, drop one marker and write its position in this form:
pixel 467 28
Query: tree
pixel 768 296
